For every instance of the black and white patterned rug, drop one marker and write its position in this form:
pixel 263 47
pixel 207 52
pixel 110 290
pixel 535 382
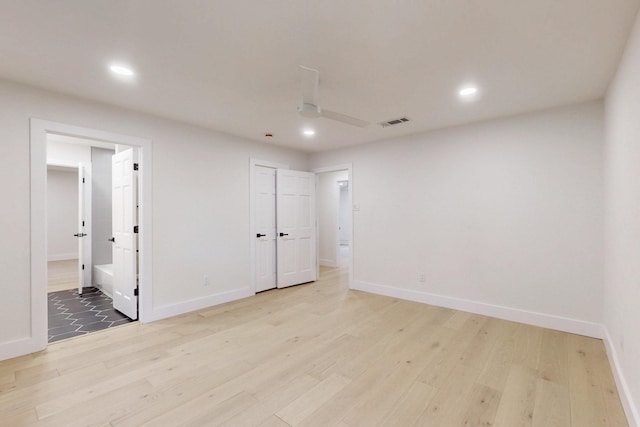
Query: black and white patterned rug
pixel 71 314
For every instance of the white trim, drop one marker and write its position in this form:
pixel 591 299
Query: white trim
pixel 63 257
pixel 336 168
pixel 544 320
pixel 252 214
pixel 37 339
pixel 86 258
pixel 328 262
pixel 200 303
pixel 630 409
pixel 349 168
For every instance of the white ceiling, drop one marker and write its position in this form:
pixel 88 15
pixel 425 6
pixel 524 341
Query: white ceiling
pixel 232 65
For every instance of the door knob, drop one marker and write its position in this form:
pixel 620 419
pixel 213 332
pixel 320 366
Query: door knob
pixel 112 240
pixel 260 235
pixel 79 235
pixel 283 234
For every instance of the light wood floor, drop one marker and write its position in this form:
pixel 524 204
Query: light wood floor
pixel 63 275
pixel 315 355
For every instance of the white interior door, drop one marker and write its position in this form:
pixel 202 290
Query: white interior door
pixel 296 224
pixel 265 227
pixel 124 194
pixel 84 226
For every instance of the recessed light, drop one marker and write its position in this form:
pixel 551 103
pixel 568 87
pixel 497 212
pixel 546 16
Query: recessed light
pixel 309 132
pixel 468 93
pixel 121 70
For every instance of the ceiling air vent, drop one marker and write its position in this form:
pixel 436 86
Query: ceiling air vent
pixel 394 122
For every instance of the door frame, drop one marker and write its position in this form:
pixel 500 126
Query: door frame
pixel 336 168
pixel 86 254
pixel 38 146
pixel 88 194
pixel 252 214
pixel 340 207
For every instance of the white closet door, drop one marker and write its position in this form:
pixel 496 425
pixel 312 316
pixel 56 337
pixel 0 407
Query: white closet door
pixel 265 227
pixel 296 224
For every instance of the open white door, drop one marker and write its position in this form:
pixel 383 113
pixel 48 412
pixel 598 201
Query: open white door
pixel 124 194
pixel 296 221
pixel 265 227
pixel 84 226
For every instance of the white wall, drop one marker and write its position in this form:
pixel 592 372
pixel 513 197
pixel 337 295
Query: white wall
pixel 62 214
pixel 505 213
pixel 64 153
pixel 344 209
pixel 328 199
pixel 622 224
pixel 101 250
pixel 200 200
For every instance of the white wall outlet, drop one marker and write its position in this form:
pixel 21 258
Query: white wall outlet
pixel 205 280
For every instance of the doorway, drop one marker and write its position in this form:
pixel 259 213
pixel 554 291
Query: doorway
pixel 344 224
pixel 80 246
pixel 334 220
pixel 41 130
pixel 62 221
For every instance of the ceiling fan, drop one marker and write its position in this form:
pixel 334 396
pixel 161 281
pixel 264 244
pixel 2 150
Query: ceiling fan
pixel 309 106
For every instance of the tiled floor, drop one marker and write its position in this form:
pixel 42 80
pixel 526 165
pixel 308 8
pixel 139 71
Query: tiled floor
pixel 71 314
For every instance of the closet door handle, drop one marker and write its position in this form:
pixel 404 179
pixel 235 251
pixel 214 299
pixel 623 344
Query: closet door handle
pixel 260 235
pixel 283 234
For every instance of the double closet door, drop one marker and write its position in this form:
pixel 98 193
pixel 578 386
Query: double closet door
pixel 285 225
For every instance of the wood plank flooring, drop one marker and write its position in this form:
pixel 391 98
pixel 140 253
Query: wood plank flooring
pixel 315 355
pixel 63 275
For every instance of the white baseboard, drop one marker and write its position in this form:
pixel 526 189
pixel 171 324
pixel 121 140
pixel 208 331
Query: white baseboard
pixel 197 304
pixel 550 321
pixel 630 409
pixel 62 257
pixel 19 347
pixel 559 323
pixel 328 262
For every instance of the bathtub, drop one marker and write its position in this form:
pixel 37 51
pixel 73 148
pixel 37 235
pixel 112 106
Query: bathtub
pixel 103 278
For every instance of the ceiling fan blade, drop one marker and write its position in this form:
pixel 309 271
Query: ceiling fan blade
pixel 309 79
pixel 344 118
